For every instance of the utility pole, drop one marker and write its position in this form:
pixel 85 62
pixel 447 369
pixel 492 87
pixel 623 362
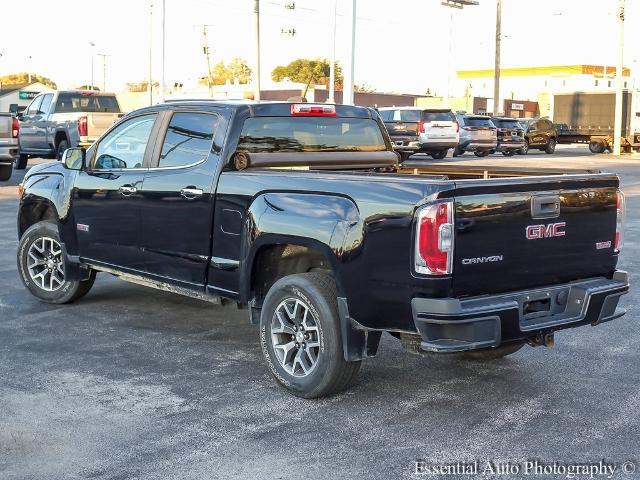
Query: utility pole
pixel 256 17
pixel 332 68
pixel 104 71
pixel 617 126
pixel 349 77
pixel 162 61
pixel 205 49
pixel 497 108
pixel 150 84
pixel 92 45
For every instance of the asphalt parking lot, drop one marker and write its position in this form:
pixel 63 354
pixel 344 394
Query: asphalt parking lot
pixel 131 382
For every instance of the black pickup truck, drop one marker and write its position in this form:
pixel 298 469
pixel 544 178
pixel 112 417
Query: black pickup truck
pixel 303 214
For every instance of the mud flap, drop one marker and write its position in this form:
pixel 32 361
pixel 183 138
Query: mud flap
pixel 357 343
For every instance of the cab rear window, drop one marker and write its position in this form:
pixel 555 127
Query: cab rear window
pixel 78 102
pixel 507 123
pixel 478 122
pixel 310 134
pixel 446 116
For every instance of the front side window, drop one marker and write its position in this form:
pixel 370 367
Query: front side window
pixel 188 139
pixel 125 145
pixel 46 103
pixel 34 106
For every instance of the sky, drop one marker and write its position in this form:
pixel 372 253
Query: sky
pixel 401 45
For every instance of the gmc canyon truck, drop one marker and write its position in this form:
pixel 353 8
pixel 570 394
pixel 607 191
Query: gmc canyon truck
pixel 56 121
pixel 302 214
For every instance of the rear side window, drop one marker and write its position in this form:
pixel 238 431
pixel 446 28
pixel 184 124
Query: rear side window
pixel 310 134
pixel 386 115
pixel 478 122
pixel 428 116
pixel 188 139
pixel 78 102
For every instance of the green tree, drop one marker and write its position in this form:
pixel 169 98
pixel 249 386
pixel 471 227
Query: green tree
pixel 237 68
pixel 303 70
pixel 21 78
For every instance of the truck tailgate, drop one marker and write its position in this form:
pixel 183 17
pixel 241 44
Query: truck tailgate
pixel 539 232
pixel 98 123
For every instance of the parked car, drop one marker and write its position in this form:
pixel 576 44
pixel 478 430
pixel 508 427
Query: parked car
pixel 510 135
pixel 539 134
pixel 477 134
pixel 9 129
pixel 413 130
pixel 329 256
pixel 56 121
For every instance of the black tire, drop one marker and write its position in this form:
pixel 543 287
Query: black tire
pixel 21 162
pixel 492 353
pixel 457 152
pixel 524 150
pixel 551 146
pixel 331 373
pixel 69 290
pixel 5 172
pixel 482 154
pixel 596 146
pixel 440 154
pixel 62 146
pixel 509 153
pixel 404 156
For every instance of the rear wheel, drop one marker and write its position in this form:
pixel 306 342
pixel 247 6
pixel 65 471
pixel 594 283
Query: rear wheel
pixel 524 150
pixel 482 154
pixel 300 336
pixel 508 153
pixel 5 172
pixel 404 156
pixel 551 146
pixel 62 146
pixel 458 152
pixel 42 269
pixel 492 353
pixel 440 154
pixel 21 162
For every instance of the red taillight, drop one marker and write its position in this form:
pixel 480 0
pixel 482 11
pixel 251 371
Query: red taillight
pixel 456 126
pixel 619 239
pixel 467 128
pixel 15 127
pixel 421 126
pixel 82 126
pixel 434 239
pixel 312 110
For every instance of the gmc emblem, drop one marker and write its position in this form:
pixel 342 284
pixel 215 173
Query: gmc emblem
pixel 546 231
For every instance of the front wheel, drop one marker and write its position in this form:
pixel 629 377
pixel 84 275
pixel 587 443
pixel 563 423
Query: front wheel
pixel 596 146
pixel 21 162
pixel 5 172
pixel 551 146
pixel 42 268
pixel 301 338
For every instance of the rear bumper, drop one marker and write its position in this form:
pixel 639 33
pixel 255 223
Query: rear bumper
pixel 438 145
pixel 451 325
pixel 8 153
pixel 478 145
pixel 507 146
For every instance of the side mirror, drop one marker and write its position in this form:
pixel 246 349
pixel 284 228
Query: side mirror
pixel 74 158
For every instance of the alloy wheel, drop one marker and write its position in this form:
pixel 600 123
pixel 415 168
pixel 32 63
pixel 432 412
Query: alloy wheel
pixel 45 264
pixel 295 337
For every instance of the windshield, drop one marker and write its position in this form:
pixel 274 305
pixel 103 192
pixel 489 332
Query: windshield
pixel 310 134
pixel 507 123
pixel 478 122
pixel 78 102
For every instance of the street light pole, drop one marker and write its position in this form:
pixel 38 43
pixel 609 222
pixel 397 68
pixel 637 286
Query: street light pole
pixel 349 77
pixel 151 53
pixel 92 45
pixel 256 17
pixel 162 62
pixel 496 68
pixel 617 125
pixel 332 67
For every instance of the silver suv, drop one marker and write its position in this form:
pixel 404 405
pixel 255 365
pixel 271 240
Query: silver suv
pixel 413 130
pixel 478 134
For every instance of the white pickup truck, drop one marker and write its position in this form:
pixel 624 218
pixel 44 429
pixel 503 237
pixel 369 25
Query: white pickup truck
pixel 56 121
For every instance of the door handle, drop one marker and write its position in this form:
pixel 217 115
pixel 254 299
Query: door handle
pixel 127 190
pixel 191 192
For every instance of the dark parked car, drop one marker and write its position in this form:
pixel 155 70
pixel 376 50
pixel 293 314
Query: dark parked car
pixel 301 213
pixel 478 134
pixel 414 130
pixel 510 135
pixel 539 134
